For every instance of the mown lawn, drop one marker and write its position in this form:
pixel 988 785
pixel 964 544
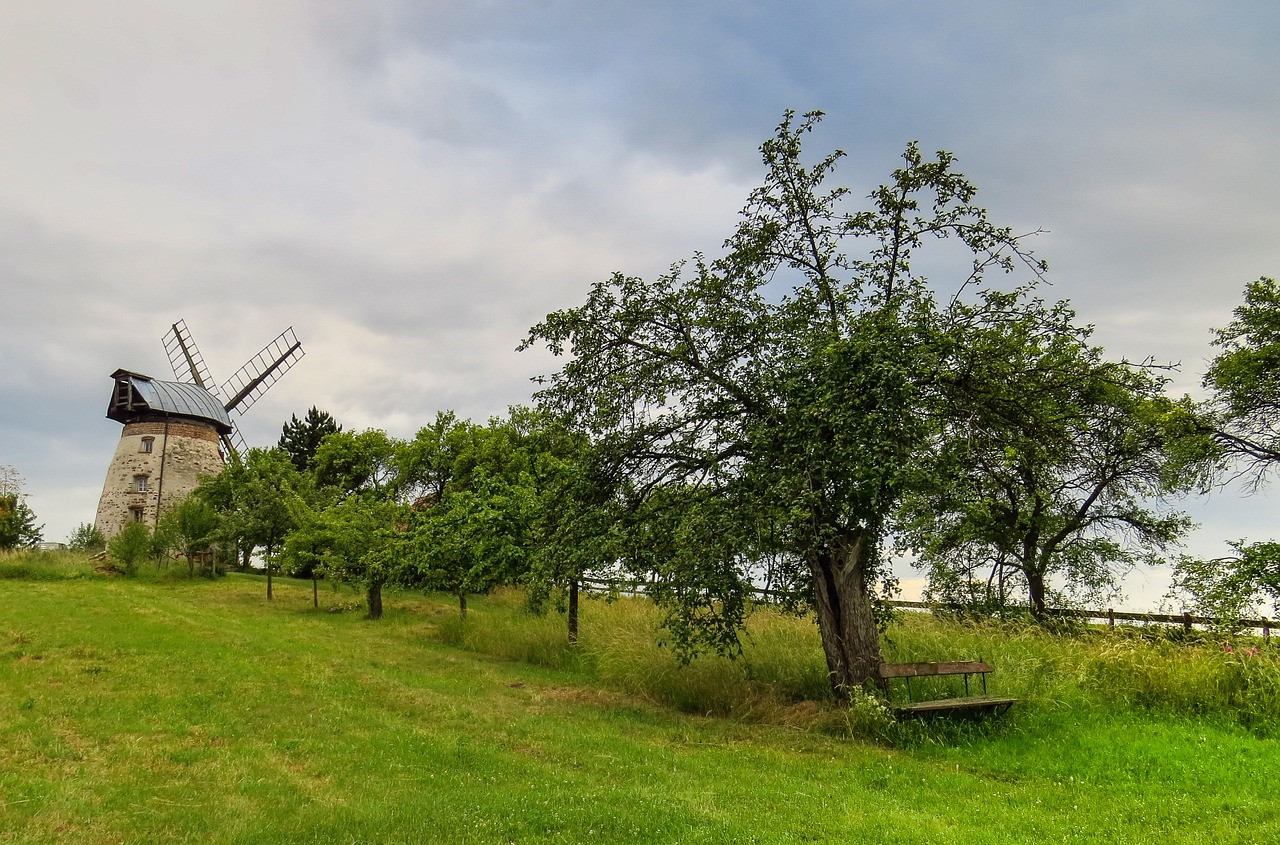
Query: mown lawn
pixel 144 711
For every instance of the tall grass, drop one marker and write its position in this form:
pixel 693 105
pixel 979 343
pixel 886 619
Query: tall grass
pixel 33 565
pixel 619 647
pixel 781 674
pixel 1148 669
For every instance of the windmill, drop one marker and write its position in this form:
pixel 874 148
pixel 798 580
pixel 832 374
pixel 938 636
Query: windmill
pixel 176 432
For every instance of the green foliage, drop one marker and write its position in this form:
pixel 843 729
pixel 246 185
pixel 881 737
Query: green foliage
pixel 1052 463
pixel 86 538
pixel 485 495
pixel 1229 588
pixel 18 528
pixel 355 540
pixel 358 462
pixel 475 538
pixel 252 497
pixel 190 528
pixel 300 439
pixel 1245 380
pixel 768 407
pixel 131 546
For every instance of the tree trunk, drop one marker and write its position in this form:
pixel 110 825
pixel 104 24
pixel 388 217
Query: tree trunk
pixel 846 616
pixel 315 589
pixel 573 611
pixel 375 599
pixel 462 604
pixel 267 561
pixel 1035 591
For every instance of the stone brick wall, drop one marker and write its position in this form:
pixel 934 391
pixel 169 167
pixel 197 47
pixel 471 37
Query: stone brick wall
pixel 173 468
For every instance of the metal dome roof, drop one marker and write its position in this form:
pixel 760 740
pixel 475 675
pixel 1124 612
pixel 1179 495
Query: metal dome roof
pixel 136 395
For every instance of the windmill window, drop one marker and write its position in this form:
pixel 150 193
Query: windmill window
pixel 147 443
pixel 140 483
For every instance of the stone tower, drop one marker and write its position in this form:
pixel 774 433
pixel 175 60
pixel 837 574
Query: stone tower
pixel 172 438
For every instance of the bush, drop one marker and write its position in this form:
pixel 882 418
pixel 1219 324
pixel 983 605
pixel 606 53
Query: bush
pixel 86 538
pixel 131 546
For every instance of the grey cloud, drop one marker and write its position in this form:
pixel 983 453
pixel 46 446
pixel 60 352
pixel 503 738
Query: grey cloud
pixel 412 185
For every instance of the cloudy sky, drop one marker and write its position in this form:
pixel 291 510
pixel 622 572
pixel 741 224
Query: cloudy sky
pixel 411 185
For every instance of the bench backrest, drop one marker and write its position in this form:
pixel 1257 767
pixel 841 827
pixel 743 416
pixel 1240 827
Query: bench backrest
pixel 919 670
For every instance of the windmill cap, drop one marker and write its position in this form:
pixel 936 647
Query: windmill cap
pixel 137 395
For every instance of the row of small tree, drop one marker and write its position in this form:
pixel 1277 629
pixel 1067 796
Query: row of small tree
pixel 460 507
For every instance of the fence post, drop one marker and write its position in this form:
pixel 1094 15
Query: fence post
pixel 1266 631
pixel 1111 617
pixel 1186 621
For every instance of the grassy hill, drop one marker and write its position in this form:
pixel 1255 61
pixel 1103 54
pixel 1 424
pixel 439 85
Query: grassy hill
pixel 158 710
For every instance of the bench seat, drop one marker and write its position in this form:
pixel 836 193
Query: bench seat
pixel 955 706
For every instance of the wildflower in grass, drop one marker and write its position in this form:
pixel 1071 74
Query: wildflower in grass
pixel 1227 647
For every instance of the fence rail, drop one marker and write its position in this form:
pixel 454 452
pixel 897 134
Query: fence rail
pixel 1187 621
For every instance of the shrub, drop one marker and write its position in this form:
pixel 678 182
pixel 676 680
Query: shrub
pixel 131 546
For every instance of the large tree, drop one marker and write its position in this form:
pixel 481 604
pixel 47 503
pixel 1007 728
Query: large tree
pixel 774 401
pixel 1051 462
pixel 1244 384
pixel 1244 381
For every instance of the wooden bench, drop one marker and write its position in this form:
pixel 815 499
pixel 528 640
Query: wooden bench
pixel 963 705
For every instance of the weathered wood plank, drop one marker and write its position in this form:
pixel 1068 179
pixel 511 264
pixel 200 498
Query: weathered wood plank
pixel 942 706
pixel 921 670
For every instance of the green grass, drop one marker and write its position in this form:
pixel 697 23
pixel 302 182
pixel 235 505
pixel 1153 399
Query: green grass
pixel 167 710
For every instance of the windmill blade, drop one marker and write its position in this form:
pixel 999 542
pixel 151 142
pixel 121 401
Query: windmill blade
pixel 233 443
pixel 263 370
pixel 186 360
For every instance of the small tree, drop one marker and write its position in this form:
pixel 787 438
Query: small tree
pixel 190 529
pixel 301 438
pixel 473 539
pixel 351 532
pixel 253 497
pixel 131 546
pixel 18 528
pixel 354 540
pixel 86 538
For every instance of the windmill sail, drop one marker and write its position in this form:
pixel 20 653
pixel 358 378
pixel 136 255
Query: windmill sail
pixel 185 358
pixel 263 370
pixel 246 386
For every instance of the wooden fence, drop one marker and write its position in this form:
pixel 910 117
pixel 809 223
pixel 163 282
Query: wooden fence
pixel 1187 621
